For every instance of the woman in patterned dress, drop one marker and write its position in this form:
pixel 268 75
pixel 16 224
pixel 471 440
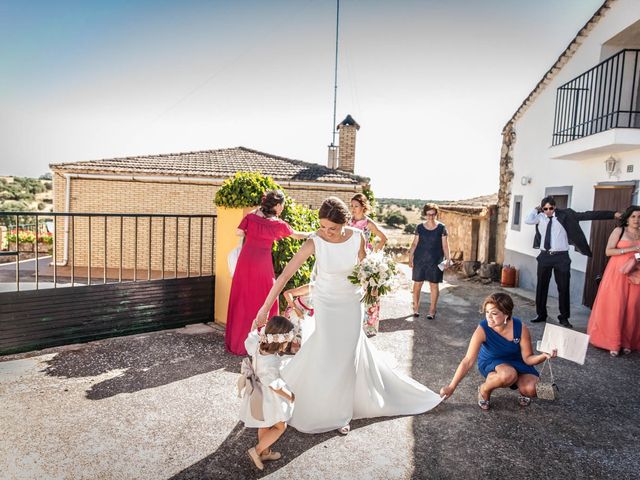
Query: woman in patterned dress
pixel 360 207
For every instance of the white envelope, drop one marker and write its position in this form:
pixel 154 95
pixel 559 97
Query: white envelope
pixel 571 345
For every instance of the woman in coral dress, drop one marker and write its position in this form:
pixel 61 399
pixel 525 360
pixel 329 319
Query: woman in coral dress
pixel 359 208
pixel 254 275
pixel 614 323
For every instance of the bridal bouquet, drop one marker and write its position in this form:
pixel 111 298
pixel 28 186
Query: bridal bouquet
pixel 376 274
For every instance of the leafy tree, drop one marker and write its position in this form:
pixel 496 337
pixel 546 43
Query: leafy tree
pixel 395 219
pixel 367 192
pixel 14 206
pixel 410 228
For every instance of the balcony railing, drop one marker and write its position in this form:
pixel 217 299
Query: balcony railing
pixel 602 98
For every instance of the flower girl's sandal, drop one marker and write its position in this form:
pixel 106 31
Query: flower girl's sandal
pixel 626 351
pixel 344 430
pixel 253 455
pixel 614 353
pixel 270 455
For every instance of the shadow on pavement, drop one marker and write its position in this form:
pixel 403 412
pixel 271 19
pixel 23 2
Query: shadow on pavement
pixel 147 361
pixel 231 461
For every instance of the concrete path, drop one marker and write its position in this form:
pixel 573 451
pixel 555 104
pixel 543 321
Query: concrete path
pixel 163 406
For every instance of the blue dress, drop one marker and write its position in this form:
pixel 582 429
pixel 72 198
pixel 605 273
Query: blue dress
pixel 496 350
pixel 428 254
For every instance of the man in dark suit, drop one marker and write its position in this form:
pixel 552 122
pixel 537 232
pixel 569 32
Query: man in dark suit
pixel 560 228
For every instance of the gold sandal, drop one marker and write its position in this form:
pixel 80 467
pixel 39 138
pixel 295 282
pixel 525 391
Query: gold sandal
pixel 482 403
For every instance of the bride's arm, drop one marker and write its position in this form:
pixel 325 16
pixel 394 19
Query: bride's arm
pixel 362 252
pixel 307 249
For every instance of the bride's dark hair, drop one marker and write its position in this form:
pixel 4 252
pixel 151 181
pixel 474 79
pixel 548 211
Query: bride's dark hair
pixel 334 210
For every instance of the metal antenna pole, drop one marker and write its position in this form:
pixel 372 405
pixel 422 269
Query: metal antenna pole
pixel 335 83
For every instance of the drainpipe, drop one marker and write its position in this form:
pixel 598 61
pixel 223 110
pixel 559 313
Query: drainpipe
pixel 67 206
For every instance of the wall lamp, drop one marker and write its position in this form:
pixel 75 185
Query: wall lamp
pixel 610 165
pixel 525 180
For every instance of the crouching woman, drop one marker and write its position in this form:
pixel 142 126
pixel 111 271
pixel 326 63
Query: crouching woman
pixel 502 346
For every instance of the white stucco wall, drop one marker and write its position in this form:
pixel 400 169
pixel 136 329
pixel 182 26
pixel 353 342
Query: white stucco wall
pixel 533 152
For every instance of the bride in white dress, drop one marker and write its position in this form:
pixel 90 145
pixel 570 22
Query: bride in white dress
pixel 338 375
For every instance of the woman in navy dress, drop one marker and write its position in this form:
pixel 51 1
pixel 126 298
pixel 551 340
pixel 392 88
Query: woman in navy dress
pixel 429 248
pixel 502 346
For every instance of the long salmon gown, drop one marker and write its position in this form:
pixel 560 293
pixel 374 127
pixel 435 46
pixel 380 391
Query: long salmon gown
pixel 253 278
pixel 615 318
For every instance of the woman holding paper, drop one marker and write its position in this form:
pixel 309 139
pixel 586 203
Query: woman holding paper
pixel 502 346
pixel 428 257
pixel 614 323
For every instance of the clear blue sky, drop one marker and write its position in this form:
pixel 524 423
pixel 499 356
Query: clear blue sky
pixel 431 82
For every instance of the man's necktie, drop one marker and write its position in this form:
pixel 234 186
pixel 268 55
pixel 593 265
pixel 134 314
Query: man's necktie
pixel 547 236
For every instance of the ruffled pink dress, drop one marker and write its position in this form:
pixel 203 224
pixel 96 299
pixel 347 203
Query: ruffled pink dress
pixel 253 278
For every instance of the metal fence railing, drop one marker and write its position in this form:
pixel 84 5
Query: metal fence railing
pixel 84 248
pixel 602 98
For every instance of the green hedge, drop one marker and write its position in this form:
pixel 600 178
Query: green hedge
pixel 244 189
pixel 301 219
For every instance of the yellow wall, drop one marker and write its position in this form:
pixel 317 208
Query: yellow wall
pixel 226 240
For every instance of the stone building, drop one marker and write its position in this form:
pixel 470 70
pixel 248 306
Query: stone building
pixel 577 137
pixel 472 226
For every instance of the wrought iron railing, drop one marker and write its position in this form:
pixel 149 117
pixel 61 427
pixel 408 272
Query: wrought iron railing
pixel 602 98
pixel 86 248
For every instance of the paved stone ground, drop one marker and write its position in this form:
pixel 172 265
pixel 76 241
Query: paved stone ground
pixel 163 405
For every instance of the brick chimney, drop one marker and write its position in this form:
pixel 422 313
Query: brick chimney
pixel 347 144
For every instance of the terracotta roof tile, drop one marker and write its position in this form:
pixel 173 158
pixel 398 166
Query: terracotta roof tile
pixel 221 163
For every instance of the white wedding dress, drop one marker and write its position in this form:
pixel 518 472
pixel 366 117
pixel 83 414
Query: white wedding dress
pixel 338 375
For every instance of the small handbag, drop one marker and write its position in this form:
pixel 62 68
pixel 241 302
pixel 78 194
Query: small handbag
pixel 631 268
pixel 547 390
pixel 250 382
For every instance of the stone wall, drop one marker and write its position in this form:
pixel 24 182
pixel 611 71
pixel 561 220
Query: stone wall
pixel 504 190
pixel 471 234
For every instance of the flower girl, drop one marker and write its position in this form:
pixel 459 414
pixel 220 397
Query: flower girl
pixel 267 349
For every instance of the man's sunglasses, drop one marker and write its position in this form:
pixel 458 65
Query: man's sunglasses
pixel 548 208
